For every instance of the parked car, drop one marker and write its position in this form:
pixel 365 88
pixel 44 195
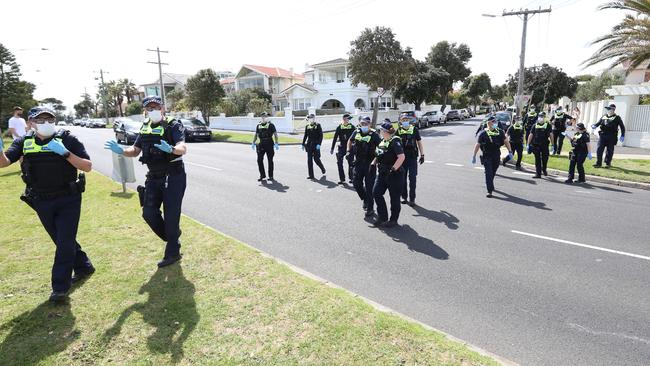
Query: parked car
pixel 97 123
pixel 471 112
pixel 504 119
pixel 432 117
pixel 128 131
pixel 454 115
pixel 117 123
pixel 196 130
pixel 464 113
pixel 61 123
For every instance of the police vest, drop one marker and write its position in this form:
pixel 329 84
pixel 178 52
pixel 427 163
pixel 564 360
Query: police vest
pixel 312 131
pixel 517 133
pixel 382 151
pixel 44 171
pixel 363 145
pixel 540 133
pixel 607 124
pixel 150 136
pixel 494 142
pixel 264 131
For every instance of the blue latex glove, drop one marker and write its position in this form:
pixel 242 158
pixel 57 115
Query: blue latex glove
pixel 563 133
pixel 253 146
pixel 530 149
pixel 57 147
pixel 302 147
pixel 621 139
pixel 553 150
pixel 589 156
pixel 473 159
pixel 276 146
pixel 593 127
pixel 164 146
pixel 318 147
pixel 114 147
pixel 510 156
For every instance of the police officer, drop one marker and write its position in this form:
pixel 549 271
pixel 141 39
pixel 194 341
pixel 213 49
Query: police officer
pixel 162 144
pixel 608 134
pixel 581 150
pixel 342 134
pixel 530 118
pixel 389 159
pixel 540 136
pixel 51 161
pixel 266 131
pixel 559 123
pixel 515 135
pixel 362 145
pixel 490 142
pixel 311 142
pixel 412 145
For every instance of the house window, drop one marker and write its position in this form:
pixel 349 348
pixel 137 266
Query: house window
pixel 300 104
pixel 251 83
pixel 340 76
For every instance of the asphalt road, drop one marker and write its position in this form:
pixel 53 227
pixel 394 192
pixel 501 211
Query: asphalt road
pixel 576 292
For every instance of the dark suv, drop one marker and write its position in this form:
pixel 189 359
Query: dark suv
pixel 196 130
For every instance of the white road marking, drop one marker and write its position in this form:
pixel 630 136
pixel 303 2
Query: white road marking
pixel 428 161
pixel 582 245
pixel 204 166
pixel 587 192
pixel 319 190
pixel 453 164
pixel 479 168
pixel 522 173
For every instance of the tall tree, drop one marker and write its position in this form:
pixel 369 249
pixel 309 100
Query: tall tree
pixel 204 91
pixel 115 93
pixel 129 89
pixel 546 83
pixel 378 60
pixel 57 105
pixel 498 93
pixel 594 89
pixel 477 87
pixel 13 91
pixel 85 107
pixel 628 43
pixel 453 59
pixel 172 98
pixel 422 85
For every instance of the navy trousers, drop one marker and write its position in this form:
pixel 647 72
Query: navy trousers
pixel 577 160
pixel 605 142
pixel 393 183
pixel 60 218
pixel 313 155
pixel 364 181
pixel 410 172
pixel 262 149
pixel 541 158
pixel 169 193
pixel 490 165
pixel 340 156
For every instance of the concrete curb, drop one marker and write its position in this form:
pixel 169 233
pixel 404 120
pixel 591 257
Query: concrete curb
pixel 375 305
pixel 593 178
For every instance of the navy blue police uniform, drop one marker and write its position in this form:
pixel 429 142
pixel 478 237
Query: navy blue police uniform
pixel 490 142
pixel 265 132
pixel 53 189
pixel 388 179
pixel 529 120
pixel 410 137
pixel 578 154
pixel 363 149
pixel 165 183
pixel 342 135
pixel 559 121
pixel 516 136
pixel 541 135
pixel 312 139
pixel 608 136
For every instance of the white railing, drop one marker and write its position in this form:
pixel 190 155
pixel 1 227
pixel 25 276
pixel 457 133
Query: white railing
pixel 639 120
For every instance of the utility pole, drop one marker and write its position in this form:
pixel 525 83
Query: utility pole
pixel 162 86
pixel 524 14
pixel 104 92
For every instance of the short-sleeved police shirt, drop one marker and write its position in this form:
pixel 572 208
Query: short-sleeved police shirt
pixel 175 133
pixel 15 151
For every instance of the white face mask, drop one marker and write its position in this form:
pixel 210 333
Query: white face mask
pixel 611 112
pixel 155 115
pixel 265 119
pixel 405 124
pixel 46 129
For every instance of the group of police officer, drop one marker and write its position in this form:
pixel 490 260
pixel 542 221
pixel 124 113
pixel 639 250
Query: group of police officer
pixel 50 162
pixel 537 132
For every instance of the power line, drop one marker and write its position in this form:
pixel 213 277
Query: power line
pixel 162 85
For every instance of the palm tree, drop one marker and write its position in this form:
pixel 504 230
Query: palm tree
pixel 629 41
pixel 130 89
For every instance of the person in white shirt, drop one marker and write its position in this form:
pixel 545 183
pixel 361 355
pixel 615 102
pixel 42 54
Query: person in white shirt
pixel 17 125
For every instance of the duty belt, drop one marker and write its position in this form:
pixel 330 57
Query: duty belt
pixel 172 169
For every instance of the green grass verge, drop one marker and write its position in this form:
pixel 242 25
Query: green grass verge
pixel 247 138
pixel 225 304
pixel 634 170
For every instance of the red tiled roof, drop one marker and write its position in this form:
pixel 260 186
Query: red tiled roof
pixel 227 81
pixel 275 71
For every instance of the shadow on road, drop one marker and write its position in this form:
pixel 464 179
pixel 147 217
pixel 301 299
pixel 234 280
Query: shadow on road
pixel 171 297
pixel 416 243
pixel 274 185
pixel 324 182
pixel 522 180
pixel 520 201
pixel 444 217
pixel 590 186
pixel 433 133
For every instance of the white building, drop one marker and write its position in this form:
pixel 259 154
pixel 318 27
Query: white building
pixel 270 79
pixel 327 86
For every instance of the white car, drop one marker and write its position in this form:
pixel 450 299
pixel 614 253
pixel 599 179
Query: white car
pixel 465 113
pixel 97 123
pixel 61 123
pixel 432 117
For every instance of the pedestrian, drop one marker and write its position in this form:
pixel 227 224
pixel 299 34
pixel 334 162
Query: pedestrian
pixel 608 135
pixel 53 186
pixel 412 145
pixel 266 132
pixel 559 123
pixel 162 144
pixel 515 135
pixel 362 145
pixel 581 150
pixel 343 133
pixel 311 142
pixel 530 118
pixel 489 142
pixel 16 124
pixel 540 136
pixel 389 157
